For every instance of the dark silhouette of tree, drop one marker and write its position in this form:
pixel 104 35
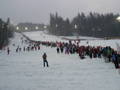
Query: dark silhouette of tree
pixel 59 26
pixel 93 24
pixel 6 31
pixel 97 25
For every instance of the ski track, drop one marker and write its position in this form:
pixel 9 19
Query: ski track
pixel 25 71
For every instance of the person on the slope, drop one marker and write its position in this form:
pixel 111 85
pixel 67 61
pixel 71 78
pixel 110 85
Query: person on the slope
pixel 45 60
pixel 57 49
pixel 8 51
pixel 115 60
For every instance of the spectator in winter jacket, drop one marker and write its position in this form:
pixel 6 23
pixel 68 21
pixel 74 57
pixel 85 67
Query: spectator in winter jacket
pixel 115 60
pixel 57 49
pixel 8 50
pixel 45 60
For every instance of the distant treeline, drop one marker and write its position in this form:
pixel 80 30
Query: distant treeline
pixel 6 31
pixel 93 24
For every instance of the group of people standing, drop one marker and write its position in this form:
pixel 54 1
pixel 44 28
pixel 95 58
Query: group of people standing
pixel 109 54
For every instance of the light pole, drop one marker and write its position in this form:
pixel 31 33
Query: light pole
pixel 93 32
pixel 118 23
pixel 76 28
pixel 45 27
pixel 56 26
pixel 17 28
pixel 26 28
pixel 118 46
pixel 36 27
pixel 118 18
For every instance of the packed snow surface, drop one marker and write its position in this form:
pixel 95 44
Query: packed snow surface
pixel 43 36
pixel 25 71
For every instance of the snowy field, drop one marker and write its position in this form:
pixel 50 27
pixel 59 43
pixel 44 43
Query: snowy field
pixel 25 71
pixel 43 36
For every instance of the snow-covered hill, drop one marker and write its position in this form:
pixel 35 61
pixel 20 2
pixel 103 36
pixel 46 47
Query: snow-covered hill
pixel 25 71
pixel 43 36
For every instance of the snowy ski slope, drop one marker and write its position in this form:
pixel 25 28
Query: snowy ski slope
pixel 25 71
pixel 43 36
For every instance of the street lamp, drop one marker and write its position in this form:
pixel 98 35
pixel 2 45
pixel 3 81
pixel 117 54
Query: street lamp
pixel 118 18
pixel 26 28
pixel 75 26
pixel 76 32
pixel 93 32
pixel 45 27
pixel 36 27
pixel 56 25
pixel 17 28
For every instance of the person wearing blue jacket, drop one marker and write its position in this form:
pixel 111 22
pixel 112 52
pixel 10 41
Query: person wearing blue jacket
pixel 115 59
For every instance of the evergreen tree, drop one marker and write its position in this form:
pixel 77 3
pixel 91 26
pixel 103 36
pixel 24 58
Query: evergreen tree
pixel 5 32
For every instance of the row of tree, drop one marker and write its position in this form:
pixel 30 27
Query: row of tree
pixel 58 26
pixel 6 31
pixel 93 24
